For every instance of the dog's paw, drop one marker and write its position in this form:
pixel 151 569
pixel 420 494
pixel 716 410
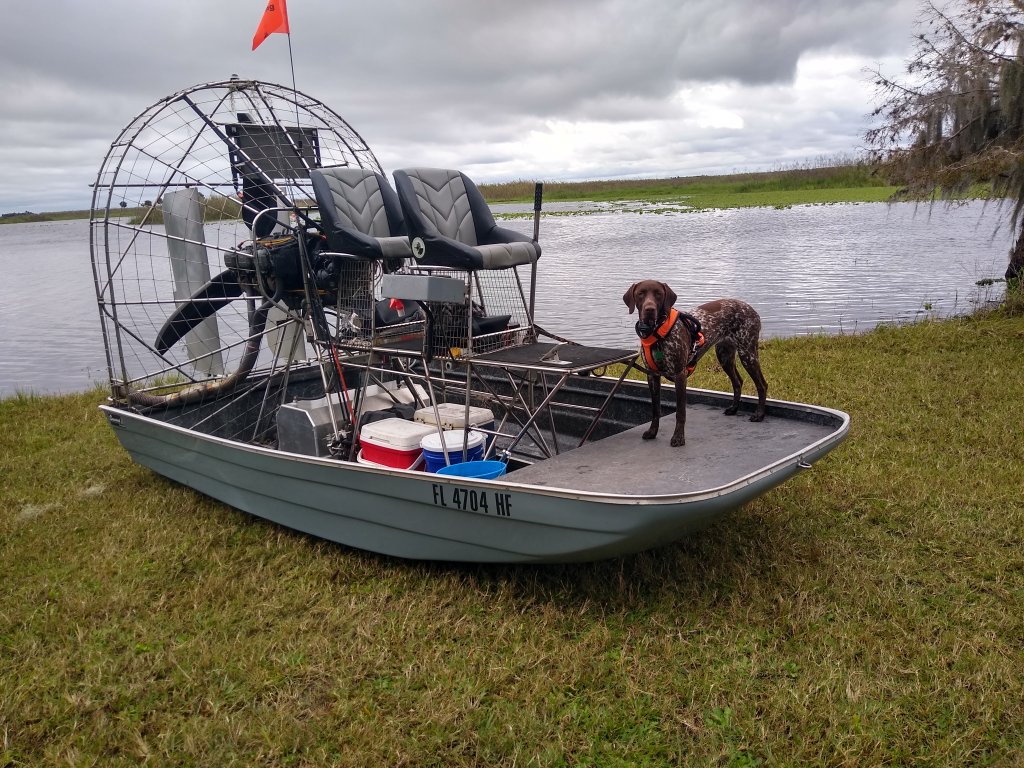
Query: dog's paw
pixel 731 410
pixel 678 440
pixel 757 417
pixel 650 434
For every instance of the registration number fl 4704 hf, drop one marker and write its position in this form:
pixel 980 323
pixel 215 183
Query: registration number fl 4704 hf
pixel 473 500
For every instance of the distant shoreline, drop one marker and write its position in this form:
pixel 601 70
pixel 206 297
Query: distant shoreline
pixel 849 183
pixel 30 218
pixel 836 184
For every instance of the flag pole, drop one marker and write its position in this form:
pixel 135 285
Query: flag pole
pixel 275 19
pixel 291 63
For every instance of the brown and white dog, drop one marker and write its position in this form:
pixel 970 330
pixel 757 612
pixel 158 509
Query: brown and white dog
pixel 730 326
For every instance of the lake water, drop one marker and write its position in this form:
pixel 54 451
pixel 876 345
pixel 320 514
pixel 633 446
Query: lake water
pixel 807 269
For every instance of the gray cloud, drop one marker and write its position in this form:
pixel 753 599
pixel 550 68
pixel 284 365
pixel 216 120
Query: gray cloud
pixel 490 87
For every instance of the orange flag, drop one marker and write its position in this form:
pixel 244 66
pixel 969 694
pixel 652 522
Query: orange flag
pixel 275 19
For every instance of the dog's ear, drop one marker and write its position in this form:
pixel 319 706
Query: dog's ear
pixel 628 298
pixel 670 298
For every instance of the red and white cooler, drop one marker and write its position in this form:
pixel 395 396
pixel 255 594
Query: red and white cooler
pixel 393 443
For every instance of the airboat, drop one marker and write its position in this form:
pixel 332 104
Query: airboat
pixel 292 335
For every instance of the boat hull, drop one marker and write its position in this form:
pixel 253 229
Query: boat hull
pixel 422 516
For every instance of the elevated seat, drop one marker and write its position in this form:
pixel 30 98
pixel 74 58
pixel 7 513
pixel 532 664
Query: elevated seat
pixel 360 215
pixel 362 220
pixel 453 234
pixel 450 224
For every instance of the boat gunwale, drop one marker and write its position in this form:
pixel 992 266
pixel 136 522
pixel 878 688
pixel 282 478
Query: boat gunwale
pixel 812 449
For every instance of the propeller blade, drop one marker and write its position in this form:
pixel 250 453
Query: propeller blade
pixel 200 305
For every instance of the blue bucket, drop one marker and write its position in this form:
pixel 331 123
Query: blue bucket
pixel 478 470
pixel 433 453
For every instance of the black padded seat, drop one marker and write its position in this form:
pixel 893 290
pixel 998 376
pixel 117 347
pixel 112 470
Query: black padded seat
pixel 450 225
pixel 360 213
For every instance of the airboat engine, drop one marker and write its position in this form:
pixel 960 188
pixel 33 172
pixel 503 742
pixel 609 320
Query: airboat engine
pixel 204 237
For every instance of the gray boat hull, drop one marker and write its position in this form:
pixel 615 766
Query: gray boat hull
pixel 538 514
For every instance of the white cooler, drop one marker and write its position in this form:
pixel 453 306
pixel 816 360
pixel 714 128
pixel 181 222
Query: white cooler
pixel 453 416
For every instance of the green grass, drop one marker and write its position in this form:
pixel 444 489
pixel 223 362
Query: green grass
pixel 870 611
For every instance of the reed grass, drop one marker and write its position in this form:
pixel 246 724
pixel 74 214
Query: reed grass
pixel 870 611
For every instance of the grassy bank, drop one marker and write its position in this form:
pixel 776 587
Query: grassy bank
pixel 221 208
pixel 870 611
pixel 134 215
pixel 27 218
pixel 844 183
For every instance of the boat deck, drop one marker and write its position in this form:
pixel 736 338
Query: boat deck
pixel 719 450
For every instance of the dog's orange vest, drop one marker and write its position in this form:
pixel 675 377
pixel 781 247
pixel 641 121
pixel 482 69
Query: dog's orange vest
pixel 651 345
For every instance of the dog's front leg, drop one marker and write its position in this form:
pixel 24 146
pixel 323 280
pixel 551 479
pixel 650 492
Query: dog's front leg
pixel 679 436
pixel 654 385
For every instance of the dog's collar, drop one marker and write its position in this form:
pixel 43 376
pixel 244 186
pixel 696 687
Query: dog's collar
pixel 649 335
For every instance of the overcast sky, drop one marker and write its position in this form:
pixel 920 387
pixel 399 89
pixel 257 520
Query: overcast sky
pixel 521 89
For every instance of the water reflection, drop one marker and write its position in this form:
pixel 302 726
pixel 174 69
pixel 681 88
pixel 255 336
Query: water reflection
pixel 809 269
